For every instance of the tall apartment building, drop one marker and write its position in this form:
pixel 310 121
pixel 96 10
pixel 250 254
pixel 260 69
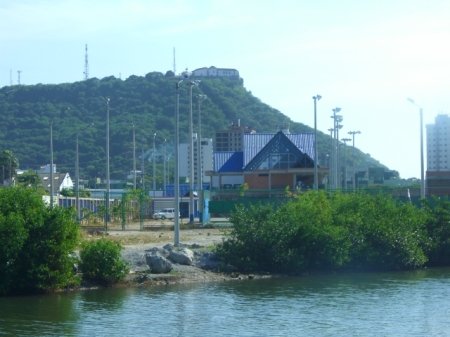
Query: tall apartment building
pixel 231 139
pixel 206 156
pixel 438 144
pixel 438 156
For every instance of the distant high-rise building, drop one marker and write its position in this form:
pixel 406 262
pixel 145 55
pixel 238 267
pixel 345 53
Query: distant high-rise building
pixel 231 139
pixel 438 144
pixel 206 156
pixel 438 156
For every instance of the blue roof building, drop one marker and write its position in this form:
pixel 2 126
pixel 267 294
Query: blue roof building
pixel 268 161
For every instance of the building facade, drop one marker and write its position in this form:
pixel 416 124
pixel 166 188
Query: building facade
pixel 206 156
pixel 438 156
pixel 231 139
pixel 215 72
pixel 268 161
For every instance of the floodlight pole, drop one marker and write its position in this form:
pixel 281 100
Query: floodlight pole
pixel 51 163
pixel 345 140
pixel 107 166
pixel 199 159
pixel 134 157
pixel 77 178
pixel 422 170
pixel 191 155
pixel 154 170
pixel 316 175
pixel 353 133
pixel 164 169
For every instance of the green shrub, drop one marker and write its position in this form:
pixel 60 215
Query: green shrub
pixel 319 232
pixel 37 243
pixel 438 227
pixel 101 261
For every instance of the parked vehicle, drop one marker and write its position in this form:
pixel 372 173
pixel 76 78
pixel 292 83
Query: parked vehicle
pixel 165 213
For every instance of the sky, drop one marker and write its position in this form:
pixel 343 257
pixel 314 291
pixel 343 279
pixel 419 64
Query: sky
pixel 365 57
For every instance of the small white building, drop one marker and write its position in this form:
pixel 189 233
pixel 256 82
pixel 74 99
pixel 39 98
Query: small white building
pixel 215 72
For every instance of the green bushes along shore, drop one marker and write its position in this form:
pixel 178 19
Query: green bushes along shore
pixel 321 232
pixel 38 243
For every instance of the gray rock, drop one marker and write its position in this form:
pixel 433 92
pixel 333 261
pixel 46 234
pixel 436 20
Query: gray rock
pixel 158 251
pixel 158 264
pixel 182 256
pixel 169 246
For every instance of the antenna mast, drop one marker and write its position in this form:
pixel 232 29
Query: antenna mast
pixel 174 64
pixel 10 77
pixel 86 65
pixel 18 77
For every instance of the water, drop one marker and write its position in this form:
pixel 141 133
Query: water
pixel 376 304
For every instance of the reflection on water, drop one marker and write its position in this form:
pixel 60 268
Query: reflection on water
pixel 370 304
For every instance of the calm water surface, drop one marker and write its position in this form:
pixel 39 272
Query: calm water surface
pixel 379 304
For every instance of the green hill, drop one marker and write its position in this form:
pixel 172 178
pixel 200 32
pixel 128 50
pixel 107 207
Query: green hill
pixel 148 102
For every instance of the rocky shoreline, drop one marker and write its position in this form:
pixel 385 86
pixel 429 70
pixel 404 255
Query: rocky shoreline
pixel 163 264
pixel 171 265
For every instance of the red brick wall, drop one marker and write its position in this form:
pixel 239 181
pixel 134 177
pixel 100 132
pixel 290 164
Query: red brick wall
pixel 279 181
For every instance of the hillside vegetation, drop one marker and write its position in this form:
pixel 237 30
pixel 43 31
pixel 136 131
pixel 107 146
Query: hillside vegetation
pixel 147 102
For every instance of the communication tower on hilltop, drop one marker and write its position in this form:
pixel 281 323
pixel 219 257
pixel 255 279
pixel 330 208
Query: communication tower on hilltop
pixel 86 65
pixel 18 77
pixel 10 77
pixel 174 65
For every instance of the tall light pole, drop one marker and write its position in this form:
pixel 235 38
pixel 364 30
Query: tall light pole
pixel 316 175
pixel 51 161
pixel 107 166
pixel 422 175
pixel 191 155
pixel 353 133
pixel 154 171
pixel 338 152
pixel 345 140
pixel 330 162
pixel 176 183
pixel 164 169
pixel 134 157
pixel 334 147
pixel 199 158
pixel 142 166
pixel 77 178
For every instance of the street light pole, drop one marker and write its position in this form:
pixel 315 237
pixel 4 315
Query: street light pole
pixel 77 178
pixel 335 146
pixel 316 175
pixel 176 183
pixel 353 133
pixel 191 155
pixel 345 140
pixel 164 169
pixel 142 168
pixel 330 162
pixel 51 163
pixel 134 157
pixel 154 170
pixel 199 158
pixel 422 175
pixel 107 166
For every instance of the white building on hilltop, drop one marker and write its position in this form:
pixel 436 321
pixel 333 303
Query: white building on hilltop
pixel 215 72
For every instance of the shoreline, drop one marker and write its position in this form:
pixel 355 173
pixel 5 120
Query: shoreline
pixel 197 240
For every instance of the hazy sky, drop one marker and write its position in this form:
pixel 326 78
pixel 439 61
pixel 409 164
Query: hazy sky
pixel 366 57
